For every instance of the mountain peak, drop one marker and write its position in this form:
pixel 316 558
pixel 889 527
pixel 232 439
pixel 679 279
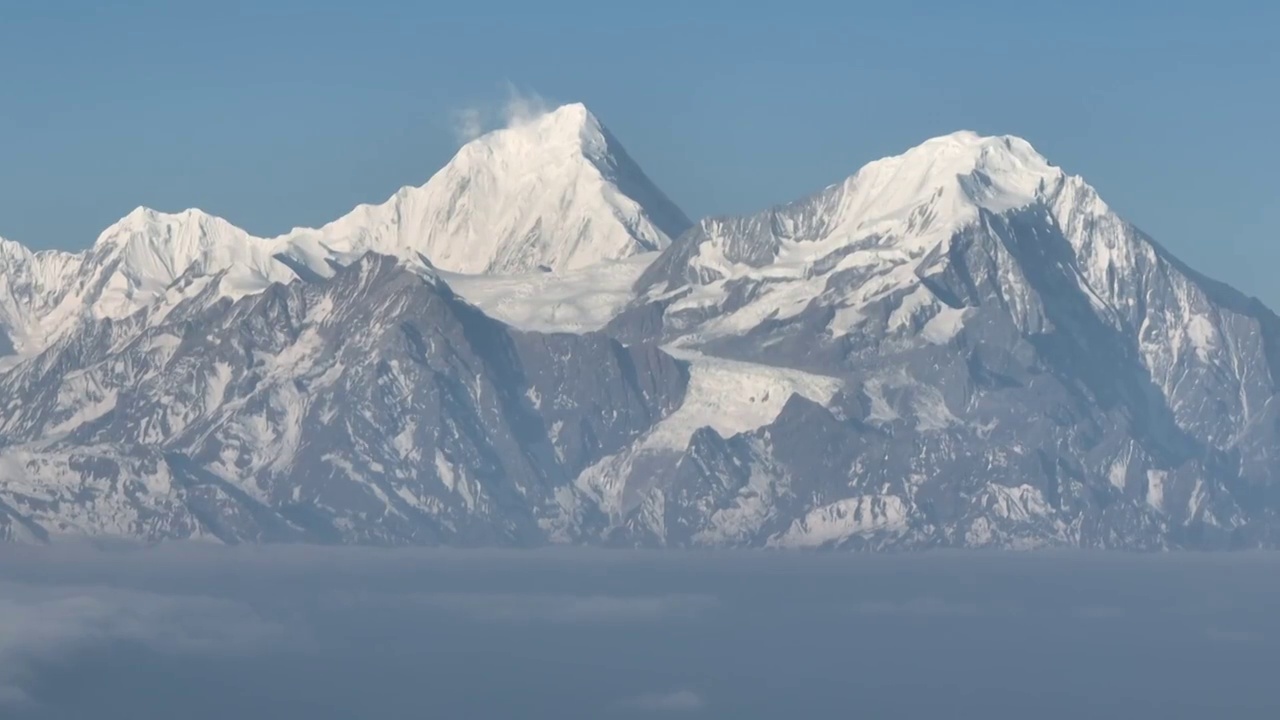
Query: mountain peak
pixel 961 136
pixel 571 120
pixel 146 250
pixel 910 202
pixel 570 129
pixel 573 115
pixel 953 175
pixel 968 147
pixel 11 249
pixel 145 220
pixel 965 152
pixel 552 190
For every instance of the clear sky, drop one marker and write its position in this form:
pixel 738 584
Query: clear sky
pixel 275 113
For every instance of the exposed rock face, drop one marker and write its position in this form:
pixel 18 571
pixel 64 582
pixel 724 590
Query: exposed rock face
pixel 372 407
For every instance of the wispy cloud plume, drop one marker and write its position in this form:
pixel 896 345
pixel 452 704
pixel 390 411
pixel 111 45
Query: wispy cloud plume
pixel 517 107
pixel 468 124
pixel 523 105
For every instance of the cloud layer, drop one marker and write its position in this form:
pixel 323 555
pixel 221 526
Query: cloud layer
pixel 41 625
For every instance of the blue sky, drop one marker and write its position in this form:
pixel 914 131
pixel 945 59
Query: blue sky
pixel 277 113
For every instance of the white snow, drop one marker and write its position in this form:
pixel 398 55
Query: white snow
pixel 733 397
pixel 133 265
pixel 1117 473
pixel 103 402
pixel 1155 488
pixel 944 325
pixel 404 445
pixel 845 320
pixel 216 385
pixel 30 288
pixel 1203 335
pixel 1196 501
pixel 154 249
pixel 444 471
pixel 913 305
pixel 963 171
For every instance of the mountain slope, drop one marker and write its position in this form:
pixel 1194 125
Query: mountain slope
pixel 30 284
pixel 130 266
pixel 373 407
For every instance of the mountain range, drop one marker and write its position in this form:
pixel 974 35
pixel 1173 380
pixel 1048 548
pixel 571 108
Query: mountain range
pixel 959 346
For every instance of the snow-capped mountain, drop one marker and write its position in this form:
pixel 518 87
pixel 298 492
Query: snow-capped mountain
pixel 131 266
pixel 877 225
pixel 1022 367
pixel 556 192
pixel 962 345
pixel 552 193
